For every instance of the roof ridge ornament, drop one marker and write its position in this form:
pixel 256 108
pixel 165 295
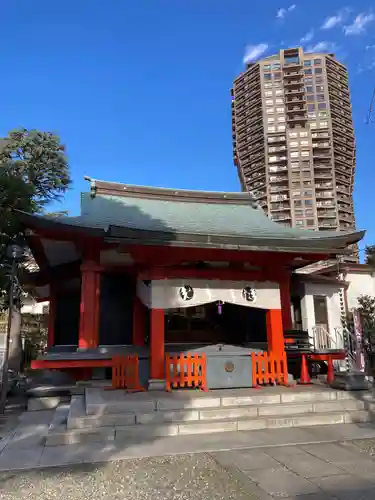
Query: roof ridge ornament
pixel 92 185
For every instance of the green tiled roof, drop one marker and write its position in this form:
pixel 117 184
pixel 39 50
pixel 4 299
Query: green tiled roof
pixel 166 216
pixel 185 217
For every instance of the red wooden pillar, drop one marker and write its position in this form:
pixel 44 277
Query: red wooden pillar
pixel 157 355
pixel 286 303
pixel 275 333
pixel 90 305
pixel 51 317
pixel 139 324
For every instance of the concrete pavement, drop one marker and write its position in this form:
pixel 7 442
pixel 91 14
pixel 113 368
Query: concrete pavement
pixel 318 471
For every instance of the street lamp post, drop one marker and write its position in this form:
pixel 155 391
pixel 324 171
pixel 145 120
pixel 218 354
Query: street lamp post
pixel 14 252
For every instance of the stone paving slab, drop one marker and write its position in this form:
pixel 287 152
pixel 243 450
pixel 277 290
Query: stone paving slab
pixel 246 460
pixel 302 462
pixel 346 487
pixel 282 482
pixel 133 447
pixel 335 453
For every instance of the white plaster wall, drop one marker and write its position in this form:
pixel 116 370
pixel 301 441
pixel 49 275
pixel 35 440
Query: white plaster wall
pixel 32 307
pixel 331 292
pixel 359 284
pixel 165 293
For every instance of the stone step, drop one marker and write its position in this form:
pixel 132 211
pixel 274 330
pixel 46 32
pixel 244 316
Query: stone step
pixel 117 402
pixel 78 419
pixel 62 435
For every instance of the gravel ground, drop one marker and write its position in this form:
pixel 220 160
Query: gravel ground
pixel 183 477
pixel 366 446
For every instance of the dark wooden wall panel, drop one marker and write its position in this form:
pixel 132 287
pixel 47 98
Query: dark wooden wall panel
pixel 116 309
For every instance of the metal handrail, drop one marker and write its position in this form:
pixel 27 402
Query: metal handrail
pixel 353 348
pixel 323 340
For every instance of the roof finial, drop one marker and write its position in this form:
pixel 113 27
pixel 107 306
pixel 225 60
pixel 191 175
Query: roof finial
pixel 92 185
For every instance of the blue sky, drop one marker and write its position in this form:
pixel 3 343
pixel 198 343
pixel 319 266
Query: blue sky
pixel 139 90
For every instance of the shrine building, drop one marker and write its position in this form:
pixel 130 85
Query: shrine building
pixel 150 271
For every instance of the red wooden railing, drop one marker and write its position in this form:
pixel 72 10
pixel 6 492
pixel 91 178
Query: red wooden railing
pixel 125 373
pixel 269 368
pixel 185 371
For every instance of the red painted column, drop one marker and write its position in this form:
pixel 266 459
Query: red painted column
pixel 275 333
pixel 139 323
pixel 286 303
pixel 90 306
pixel 51 317
pixel 157 355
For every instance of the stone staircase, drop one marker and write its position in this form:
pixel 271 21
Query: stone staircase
pixel 107 416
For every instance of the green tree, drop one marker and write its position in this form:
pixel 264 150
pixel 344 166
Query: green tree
pixel 366 307
pixel 370 255
pixel 33 172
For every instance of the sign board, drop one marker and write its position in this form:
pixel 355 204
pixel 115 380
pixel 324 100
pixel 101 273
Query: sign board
pixel 360 357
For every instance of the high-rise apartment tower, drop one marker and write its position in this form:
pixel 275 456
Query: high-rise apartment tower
pixel 293 139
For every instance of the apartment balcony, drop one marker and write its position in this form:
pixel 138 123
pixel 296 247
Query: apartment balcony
pixel 323 185
pixel 280 217
pixel 290 83
pixel 277 138
pixel 337 68
pixel 323 153
pixel 342 189
pixel 324 194
pixel 278 178
pixel 344 198
pixel 279 208
pixel 280 159
pixel 343 140
pixel 288 73
pixel 249 131
pixel 302 108
pixel 339 112
pixel 337 128
pixel 288 65
pixel 258 185
pixel 322 166
pixel 276 189
pixel 254 119
pixel 320 136
pixel 256 176
pixel 327 223
pixel 296 118
pixel 274 149
pixel 248 160
pixel 337 84
pixel 295 100
pixel 277 169
pixel 339 122
pixel 294 91
pixel 279 197
pixel 321 145
pixel 345 208
pixel 344 180
pixel 253 147
pixel 346 218
pixel 259 195
pixel 341 153
pixel 325 204
pixel 326 213
pixel 322 175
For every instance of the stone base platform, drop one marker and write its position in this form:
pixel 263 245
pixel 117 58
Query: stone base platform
pixel 100 415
